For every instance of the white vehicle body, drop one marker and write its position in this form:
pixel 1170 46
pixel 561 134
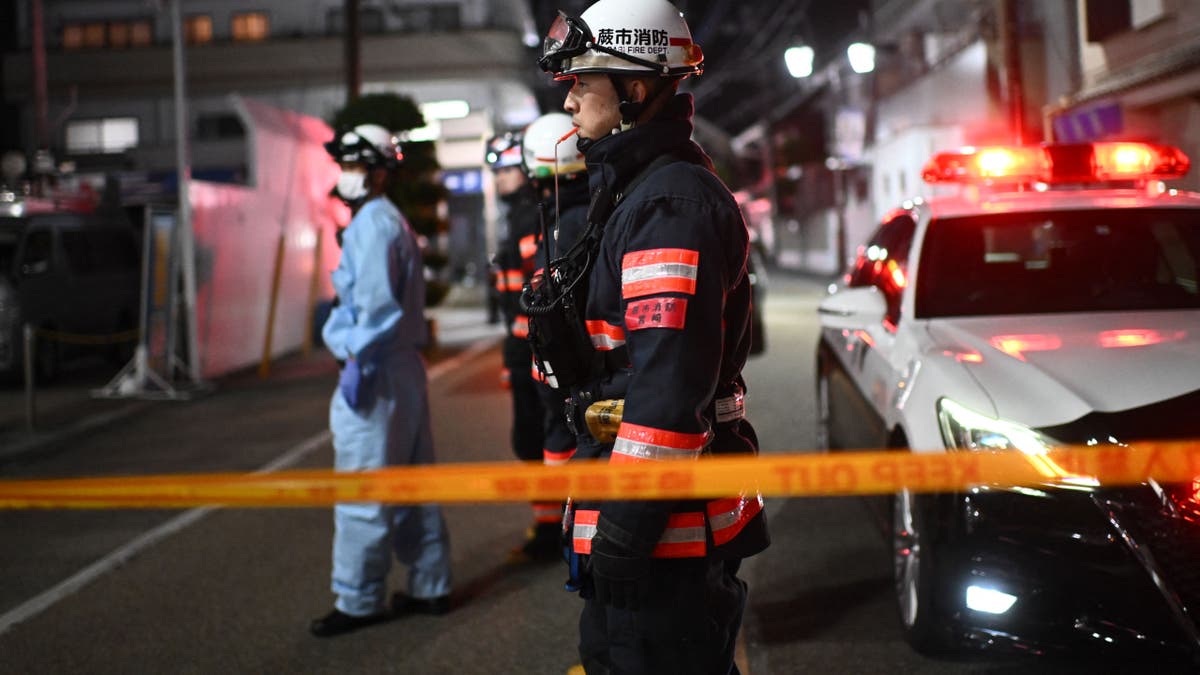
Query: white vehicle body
pixel 903 370
pixel 1044 314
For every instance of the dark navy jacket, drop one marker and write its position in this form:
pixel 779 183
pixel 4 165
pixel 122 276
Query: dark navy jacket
pixel 669 298
pixel 565 229
pixel 515 263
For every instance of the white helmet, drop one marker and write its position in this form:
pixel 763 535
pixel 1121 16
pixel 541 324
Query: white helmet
pixel 549 147
pixel 369 144
pixel 503 151
pixel 622 36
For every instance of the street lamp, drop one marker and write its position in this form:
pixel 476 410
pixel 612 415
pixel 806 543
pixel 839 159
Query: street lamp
pixel 799 61
pixel 861 56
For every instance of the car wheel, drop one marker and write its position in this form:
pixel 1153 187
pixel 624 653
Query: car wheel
pixel 915 573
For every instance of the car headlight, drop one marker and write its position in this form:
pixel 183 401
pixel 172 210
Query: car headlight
pixel 965 429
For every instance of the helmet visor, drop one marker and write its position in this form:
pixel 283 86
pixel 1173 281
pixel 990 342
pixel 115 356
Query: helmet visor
pixel 568 37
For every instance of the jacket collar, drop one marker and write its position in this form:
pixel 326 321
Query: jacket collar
pixel 616 159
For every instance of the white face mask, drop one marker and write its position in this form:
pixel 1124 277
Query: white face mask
pixel 352 185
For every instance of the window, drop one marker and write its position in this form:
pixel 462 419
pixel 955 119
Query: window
pixel 72 36
pixel 36 258
pixel 110 135
pixel 100 251
pixel 883 263
pixel 141 33
pixel 198 29
pixel 94 35
pixel 250 26
pixel 117 34
pixel 1057 262
pixel 214 126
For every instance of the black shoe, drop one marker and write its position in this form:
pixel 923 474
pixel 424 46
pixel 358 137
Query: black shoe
pixel 544 544
pixel 338 622
pixel 403 603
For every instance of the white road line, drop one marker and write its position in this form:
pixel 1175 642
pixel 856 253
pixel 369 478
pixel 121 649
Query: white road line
pixel 47 599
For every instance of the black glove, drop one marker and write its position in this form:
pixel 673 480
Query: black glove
pixel 620 579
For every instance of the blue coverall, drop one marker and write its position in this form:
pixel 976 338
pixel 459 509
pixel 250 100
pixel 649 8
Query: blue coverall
pixel 379 322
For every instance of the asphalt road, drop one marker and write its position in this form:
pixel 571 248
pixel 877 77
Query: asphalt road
pixel 232 591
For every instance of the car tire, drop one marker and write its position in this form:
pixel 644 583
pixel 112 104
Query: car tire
pixel 917 575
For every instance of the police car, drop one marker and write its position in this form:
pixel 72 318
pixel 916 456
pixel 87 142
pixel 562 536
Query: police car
pixel 1054 300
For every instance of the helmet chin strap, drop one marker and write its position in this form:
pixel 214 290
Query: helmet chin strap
pixel 630 110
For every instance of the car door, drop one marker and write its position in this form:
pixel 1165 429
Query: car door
pixel 870 353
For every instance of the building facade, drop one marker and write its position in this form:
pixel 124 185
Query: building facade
pixel 108 81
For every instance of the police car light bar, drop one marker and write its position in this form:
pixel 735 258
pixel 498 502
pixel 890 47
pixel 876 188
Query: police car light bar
pixel 1058 163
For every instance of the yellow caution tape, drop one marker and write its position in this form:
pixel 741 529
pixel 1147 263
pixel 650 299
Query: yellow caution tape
pixel 787 475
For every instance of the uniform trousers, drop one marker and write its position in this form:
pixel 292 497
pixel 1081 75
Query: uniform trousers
pixel 688 625
pixel 391 428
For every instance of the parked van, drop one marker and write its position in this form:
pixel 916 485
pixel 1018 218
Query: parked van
pixel 70 273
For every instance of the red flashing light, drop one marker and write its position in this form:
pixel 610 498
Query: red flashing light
pixel 1016 345
pixel 984 165
pixel 962 356
pixel 1134 161
pixel 1051 163
pixel 1136 337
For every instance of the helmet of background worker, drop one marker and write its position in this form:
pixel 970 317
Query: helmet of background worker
pixel 503 151
pixel 368 145
pixel 549 147
pixel 631 37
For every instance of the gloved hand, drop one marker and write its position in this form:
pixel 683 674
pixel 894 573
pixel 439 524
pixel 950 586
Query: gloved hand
pixel 350 383
pixel 619 578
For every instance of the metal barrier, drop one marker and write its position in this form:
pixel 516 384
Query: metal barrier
pixel 30 335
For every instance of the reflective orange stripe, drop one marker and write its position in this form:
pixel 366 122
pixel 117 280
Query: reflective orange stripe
pixel 636 443
pixel 557 458
pixel 605 336
pixel 729 516
pixel 510 280
pixel 683 537
pixel 660 270
pixel 584 530
pixel 520 326
pixel 547 512
pixel 527 245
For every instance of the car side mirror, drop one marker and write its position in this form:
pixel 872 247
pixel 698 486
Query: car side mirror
pixel 853 308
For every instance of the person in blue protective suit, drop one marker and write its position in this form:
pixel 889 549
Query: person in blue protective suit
pixel 653 355
pixel 379 414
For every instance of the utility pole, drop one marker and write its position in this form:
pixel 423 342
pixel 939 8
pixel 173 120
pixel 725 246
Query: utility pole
pixel 1010 27
pixel 353 51
pixel 183 168
pixel 39 76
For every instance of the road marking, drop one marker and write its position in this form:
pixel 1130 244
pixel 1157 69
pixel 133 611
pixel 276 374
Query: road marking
pixel 48 598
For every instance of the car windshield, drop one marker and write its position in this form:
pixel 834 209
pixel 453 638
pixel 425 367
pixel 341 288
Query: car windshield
pixel 1063 261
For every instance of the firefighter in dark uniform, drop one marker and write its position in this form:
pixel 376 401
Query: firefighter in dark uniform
pixel 667 312
pixel 514 264
pixel 557 171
